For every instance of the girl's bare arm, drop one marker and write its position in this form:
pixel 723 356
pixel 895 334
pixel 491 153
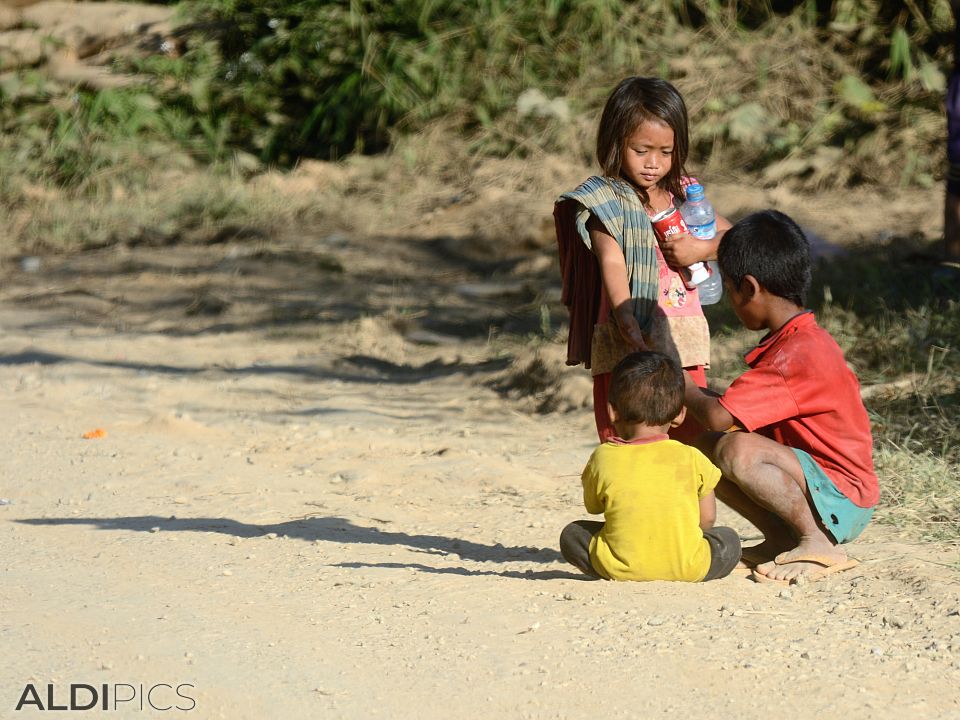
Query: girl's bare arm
pixel 613 273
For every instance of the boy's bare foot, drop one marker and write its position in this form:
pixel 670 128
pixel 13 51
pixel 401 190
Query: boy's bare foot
pixel 809 557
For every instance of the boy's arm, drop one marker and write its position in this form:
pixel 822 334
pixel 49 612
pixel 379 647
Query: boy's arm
pixel 590 478
pixel 708 510
pixel 613 273
pixel 704 405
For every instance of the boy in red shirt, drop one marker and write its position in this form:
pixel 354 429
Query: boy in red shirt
pixel 803 470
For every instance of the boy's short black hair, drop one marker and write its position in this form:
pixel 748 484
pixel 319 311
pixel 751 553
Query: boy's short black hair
pixel 647 387
pixel 771 247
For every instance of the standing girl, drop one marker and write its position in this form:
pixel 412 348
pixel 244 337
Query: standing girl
pixel 621 292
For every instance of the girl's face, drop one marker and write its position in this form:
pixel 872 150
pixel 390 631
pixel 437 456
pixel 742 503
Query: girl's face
pixel 647 154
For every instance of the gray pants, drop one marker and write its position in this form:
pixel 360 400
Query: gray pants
pixel 575 548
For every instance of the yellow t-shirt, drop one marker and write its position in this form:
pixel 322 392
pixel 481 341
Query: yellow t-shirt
pixel 649 493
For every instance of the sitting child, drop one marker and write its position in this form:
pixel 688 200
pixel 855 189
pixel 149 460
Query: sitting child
pixel 803 472
pixel 656 494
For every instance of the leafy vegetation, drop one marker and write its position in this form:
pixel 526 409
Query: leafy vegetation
pixel 282 79
pixel 785 88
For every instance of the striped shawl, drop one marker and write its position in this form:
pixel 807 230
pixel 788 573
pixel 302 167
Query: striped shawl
pixel 618 207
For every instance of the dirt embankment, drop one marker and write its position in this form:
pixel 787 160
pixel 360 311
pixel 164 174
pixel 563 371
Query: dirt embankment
pixel 76 43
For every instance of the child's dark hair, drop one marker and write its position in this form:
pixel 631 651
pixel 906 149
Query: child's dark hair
pixel 632 102
pixel 647 387
pixel 771 247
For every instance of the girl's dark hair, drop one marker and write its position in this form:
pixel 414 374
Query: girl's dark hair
pixel 771 247
pixel 633 101
pixel 647 387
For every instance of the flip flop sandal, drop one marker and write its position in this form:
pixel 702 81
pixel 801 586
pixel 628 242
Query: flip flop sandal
pixel 829 567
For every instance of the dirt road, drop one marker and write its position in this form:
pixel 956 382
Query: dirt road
pixel 312 501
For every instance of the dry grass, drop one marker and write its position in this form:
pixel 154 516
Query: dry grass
pixel 176 205
pixel 920 493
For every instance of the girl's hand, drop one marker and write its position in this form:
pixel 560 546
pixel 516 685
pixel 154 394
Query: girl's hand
pixel 629 327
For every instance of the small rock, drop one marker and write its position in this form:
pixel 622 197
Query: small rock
pixel 894 621
pixel 655 621
pixel 785 594
pixel 228 572
pixel 154 529
pixel 270 536
pixel 877 651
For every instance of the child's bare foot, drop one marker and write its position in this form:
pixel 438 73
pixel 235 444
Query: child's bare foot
pixel 810 557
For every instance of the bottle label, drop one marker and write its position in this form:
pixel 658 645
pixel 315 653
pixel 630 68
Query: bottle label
pixel 707 231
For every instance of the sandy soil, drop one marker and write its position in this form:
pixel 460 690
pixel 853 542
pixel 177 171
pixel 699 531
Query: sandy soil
pixel 322 493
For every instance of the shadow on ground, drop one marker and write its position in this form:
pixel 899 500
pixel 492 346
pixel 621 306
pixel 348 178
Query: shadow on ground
pixel 352 368
pixel 329 529
pixel 525 575
pixel 435 283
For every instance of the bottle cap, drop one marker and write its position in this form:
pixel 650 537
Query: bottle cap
pixel 695 192
pixel 699 272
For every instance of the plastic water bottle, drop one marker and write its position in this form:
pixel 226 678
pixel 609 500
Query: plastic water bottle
pixel 701 219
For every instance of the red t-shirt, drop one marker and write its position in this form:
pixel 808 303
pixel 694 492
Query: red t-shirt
pixel 800 392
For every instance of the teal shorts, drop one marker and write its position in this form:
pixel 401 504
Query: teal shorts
pixel 840 516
